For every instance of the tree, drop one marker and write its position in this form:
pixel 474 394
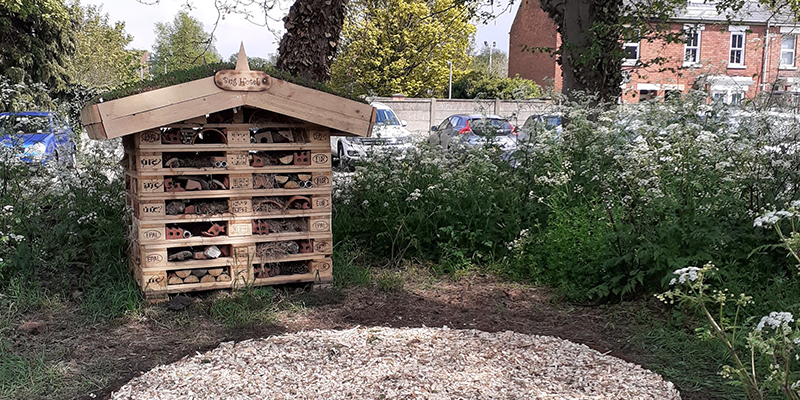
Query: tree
pixel 481 85
pixel 256 62
pixel 101 60
pixel 499 59
pixel 391 46
pixel 312 32
pixel 592 32
pixel 182 44
pixel 36 41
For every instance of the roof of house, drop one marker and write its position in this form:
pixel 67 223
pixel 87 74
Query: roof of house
pixel 164 106
pixel 751 12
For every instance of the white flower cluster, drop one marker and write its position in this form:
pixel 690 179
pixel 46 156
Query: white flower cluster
pixel 775 320
pixel 684 274
pixel 87 218
pixel 17 238
pixel 766 220
pixel 772 217
pixel 415 195
pixel 517 243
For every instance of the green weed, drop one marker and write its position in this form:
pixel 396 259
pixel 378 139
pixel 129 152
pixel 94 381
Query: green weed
pixel 246 306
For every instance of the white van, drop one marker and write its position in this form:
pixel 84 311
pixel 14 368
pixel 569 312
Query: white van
pixel 389 134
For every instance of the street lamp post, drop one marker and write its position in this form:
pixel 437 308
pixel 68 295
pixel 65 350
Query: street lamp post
pixel 491 50
pixel 450 86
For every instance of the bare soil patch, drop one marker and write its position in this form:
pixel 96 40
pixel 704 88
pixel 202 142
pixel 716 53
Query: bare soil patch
pixel 110 354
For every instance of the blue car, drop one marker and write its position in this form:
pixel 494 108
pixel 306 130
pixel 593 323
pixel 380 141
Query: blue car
pixel 43 137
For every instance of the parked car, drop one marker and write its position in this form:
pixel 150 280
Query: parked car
pixel 474 130
pixel 540 122
pixel 42 136
pixel 388 134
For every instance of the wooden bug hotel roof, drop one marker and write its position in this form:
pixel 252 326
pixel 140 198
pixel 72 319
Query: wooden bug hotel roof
pixel 227 89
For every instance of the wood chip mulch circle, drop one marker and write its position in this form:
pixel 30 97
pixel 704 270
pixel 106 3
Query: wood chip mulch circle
pixel 387 363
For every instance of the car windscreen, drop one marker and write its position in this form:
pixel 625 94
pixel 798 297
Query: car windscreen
pixel 386 117
pixel 24 124
pixel 490 126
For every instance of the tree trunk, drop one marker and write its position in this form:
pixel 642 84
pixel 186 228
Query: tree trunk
pixel 312 33
pixel 591 51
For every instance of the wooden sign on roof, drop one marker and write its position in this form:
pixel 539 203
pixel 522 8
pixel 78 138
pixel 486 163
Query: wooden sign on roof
pixel 242 79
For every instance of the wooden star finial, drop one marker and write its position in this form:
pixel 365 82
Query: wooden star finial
pixel 241 60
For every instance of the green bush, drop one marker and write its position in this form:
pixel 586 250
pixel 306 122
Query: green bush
pixel 481 85
pixel 604 209
pixel 64 232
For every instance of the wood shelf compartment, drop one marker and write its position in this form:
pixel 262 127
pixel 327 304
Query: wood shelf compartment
pixel 276 206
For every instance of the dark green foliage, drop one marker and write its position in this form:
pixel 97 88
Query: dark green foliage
pixel 36 41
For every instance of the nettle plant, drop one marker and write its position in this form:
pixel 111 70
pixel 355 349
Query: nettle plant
pixel 772 362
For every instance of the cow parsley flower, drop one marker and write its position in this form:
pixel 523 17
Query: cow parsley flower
pixel 766 220
pixel 775 320
pixel 684 274
pixel 415 195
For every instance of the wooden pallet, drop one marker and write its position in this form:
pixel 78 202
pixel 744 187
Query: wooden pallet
pixel 193 198
pixel 226 184
pixel 231 136
pixel 238 207
pixel 157 287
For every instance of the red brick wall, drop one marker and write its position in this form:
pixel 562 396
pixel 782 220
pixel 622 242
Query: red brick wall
pixel 714 55
pixel 532 27
pixel 775 72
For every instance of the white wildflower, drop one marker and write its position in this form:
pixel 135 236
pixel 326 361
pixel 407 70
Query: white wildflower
pixel 415 195
pixel 766 220
pixel 87 218
pixel 684 274
pixel 775 320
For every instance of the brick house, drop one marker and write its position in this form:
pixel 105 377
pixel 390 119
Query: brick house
pixel 732 61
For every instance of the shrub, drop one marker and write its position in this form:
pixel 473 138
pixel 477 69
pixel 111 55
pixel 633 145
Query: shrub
pixel 63 230
pixel 607 208
pixel 481 85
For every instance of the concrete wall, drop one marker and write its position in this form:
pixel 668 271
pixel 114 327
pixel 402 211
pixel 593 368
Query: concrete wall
pixel 421 114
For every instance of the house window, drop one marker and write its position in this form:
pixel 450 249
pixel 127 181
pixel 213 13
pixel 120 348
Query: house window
pixel 732 96
pixel 787 50
pixel 691 51
pixel 737 50
pixel 631 53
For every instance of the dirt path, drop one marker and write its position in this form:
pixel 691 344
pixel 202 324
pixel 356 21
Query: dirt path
pixel 110 355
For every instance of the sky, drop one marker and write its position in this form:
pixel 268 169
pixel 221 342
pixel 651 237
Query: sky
pixel 140 22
